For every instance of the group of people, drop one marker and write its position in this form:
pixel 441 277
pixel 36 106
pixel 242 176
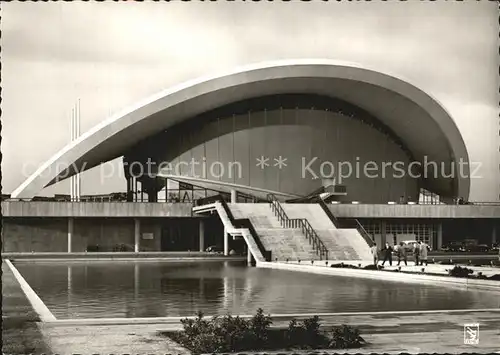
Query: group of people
pixel 419 250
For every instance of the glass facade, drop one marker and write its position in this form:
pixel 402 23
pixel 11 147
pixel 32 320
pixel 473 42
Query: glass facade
pixel 397 231
pixel 287 149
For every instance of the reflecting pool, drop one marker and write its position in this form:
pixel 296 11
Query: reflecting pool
pixel 150 289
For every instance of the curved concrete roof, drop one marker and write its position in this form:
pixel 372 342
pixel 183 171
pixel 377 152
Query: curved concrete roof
pixel 417 118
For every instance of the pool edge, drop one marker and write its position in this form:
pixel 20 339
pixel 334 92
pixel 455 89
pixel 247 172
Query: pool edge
pixel 36 302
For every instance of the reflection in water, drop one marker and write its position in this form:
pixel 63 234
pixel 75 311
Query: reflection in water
pixel 110 289
pixel 70 291
pixel 136 281
pixel 225 303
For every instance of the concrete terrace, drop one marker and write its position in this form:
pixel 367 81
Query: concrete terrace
pixel 95 209
pixel 162 209
pixel 411 332
pixel 415 211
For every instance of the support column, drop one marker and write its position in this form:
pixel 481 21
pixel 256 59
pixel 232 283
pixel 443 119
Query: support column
pixel 226 242
pixel 439 244
pixel 494 234
pixel 70 233
pixel 137 234
pixel 249 256
pixel 202 235
pixel 234 196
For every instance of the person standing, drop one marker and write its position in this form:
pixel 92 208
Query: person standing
pixel 416 253
pixel 387 251
pixel 374 250
pixel 402 253
pixel 424 248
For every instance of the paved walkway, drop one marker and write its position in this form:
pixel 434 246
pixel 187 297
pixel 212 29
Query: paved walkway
pixel 411 267
pixel 20 332
pixel 413 333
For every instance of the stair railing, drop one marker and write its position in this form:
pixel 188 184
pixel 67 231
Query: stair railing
pixel 301 223
pixel 364 233
pixel 346 223
pixel 241 223
pixel 329 213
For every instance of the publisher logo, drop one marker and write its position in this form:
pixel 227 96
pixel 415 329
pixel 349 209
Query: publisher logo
pixel 471 333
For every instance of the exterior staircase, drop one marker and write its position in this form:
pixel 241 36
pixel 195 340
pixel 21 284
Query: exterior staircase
pixel 284 243
pixel 236 229
pixel 343 244
pixel 291 231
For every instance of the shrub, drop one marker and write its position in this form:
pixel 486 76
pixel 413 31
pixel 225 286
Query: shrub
pixel 305 335
pixel 345 337
pixel 198 335
pixel 293 334
pixel 344 266
pixel 197 326
pixel 224 334
pixel 494 277
pixel 313 337
pixel 260 324
pixel 233 334
pixel 459 271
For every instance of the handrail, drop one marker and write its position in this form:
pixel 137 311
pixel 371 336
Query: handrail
pixel 329 213
pixel 301 223
pixel 344 224
pixel 241 223
pixel 364 233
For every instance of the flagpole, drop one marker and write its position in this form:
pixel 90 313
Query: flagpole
pixel 72 137
pixel 77 136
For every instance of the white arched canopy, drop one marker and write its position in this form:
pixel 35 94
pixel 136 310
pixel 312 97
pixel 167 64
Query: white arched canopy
pixel 413 115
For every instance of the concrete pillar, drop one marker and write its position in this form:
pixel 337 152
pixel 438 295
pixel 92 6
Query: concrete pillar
pixel 70 233
pixel 137 234
pixel 439 243
pixel 202 235
pixel 233 196
pixel 226 242
pixel 249 256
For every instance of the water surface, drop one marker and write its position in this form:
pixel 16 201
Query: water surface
pixel 150 289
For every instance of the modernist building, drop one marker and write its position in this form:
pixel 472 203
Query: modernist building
pixel 288 128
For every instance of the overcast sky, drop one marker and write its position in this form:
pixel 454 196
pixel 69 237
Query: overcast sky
pixel 111 55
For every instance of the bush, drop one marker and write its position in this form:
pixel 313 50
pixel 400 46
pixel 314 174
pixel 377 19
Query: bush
pixel 260 324
pixel 459 271
pixel 345 337
pixel 345 266
pixel 306 335
pixel 494 277
pixel 233 334
pixel 224 334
